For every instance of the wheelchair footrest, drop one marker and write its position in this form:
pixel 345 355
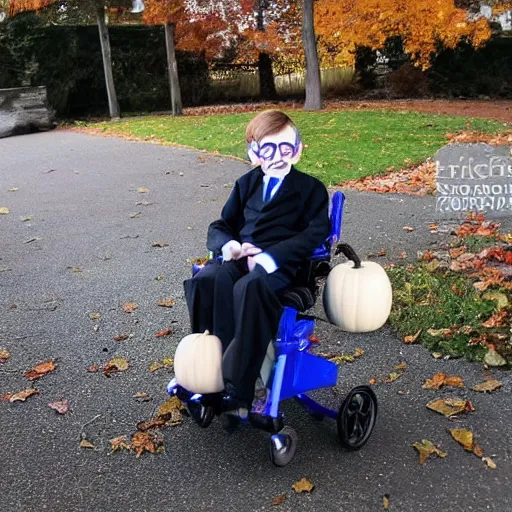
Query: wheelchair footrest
pixel 308 372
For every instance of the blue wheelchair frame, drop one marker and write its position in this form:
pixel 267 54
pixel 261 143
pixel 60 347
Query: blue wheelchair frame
pixel 296 370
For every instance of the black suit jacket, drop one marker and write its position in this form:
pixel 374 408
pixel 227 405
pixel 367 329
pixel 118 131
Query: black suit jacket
pixel 289 227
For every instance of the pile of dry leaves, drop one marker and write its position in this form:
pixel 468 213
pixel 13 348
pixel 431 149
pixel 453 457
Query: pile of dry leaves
pixel 420 180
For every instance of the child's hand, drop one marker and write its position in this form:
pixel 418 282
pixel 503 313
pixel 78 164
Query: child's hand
pixel 249 249
pixel 231 251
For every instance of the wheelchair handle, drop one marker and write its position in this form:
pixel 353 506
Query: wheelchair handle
pixel 349 253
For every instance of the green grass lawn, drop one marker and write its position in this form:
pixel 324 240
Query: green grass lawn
pixel 338 145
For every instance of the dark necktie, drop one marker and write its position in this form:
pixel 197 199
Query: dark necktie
pixel 272 182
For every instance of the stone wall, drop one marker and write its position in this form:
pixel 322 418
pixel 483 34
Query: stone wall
pixel 24 110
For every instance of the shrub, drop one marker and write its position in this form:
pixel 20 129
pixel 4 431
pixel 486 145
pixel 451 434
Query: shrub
pixel 408 82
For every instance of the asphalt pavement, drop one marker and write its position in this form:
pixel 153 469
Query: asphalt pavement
pixel 87 248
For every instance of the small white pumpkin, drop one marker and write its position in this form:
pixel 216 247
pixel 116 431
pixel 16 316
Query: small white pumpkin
pixel 198 363
pixel 357 295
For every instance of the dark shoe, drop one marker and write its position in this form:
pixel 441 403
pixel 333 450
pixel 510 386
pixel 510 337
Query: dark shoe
pixel 232 403
pixel 201 413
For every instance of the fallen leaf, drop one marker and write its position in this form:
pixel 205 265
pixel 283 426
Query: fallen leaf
pixel 343 358
pixel 279 500
pixel 142 397
pixel 392 377
pixel 21 396
pixel 303 485
pixel 39 370
pixel 408 229
pixel 159 278
pixel 166 303
pixel 446 333
pixel 146 441
pixel 155 366
pixel 441 379
pixel 450 406
pixel 121 337
pixel 412 338
pixel 456 252
pixel 385 501
pixel 13 189
pixel 129 307
pixel 26 219
pixel 477 450
pixel 488 386
pixel 159 244
pixel 463 437
pixel 76 270
pixel 437 355
pixel 4 210
pixel 4 355
pixel 496 320
pixel 401 366
pixel 380 254
pixel 86 444
pixel 499 297
pixel 94 316
pixel 169 406
pixel 358 352
pixel 61 406
pixel 118 364
pixel 134 214
pixel 402 256
pixel 119 443
pixel 144 426
pixel 372 381
pixel 427 448
pixel 93 368
pixel 160 334
pixel 142 190
pixel 314 339
pixel 490 463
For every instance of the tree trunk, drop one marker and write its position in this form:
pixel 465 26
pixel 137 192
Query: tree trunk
pixel 313 83
pixel 266 74
pixel 267 83
pixel 172 66
pixel 113 105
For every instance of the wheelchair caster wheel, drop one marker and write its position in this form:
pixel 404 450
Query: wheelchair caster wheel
pixel 230 422
pixel 283 446
pixel 202 414
pixel 356 417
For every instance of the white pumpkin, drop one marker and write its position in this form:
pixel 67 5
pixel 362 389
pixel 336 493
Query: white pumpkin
pixel 198 363
pixel 357 295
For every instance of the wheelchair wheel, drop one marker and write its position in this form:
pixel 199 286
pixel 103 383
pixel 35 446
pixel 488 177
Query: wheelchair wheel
pixel 356 417
pixel 283 446
pixel 202 414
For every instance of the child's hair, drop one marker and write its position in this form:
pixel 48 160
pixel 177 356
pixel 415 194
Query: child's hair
pixel 268 122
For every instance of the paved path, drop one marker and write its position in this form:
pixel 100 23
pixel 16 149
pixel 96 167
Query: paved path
pixel 81 218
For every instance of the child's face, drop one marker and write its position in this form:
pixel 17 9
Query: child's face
pixel 277 153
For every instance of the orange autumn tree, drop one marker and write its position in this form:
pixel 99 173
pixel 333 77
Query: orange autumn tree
pixel 99 7
pixel 343 25
pixel 265 30
pixel 186 31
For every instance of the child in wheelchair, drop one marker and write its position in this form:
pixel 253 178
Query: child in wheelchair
pixel 271 224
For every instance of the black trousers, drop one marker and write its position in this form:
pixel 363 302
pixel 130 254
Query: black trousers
pixel 242 309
